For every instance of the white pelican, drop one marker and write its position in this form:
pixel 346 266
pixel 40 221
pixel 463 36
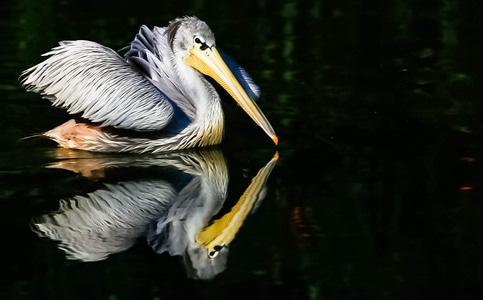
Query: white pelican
pixel 178 203
pixel 153 99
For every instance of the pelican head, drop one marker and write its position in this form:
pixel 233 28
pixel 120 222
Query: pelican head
pixel 154 99
pixel 193 40
pixel 187 33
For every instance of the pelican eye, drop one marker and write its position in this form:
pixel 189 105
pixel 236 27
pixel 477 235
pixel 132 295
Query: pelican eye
pixel 203 45
pixel 216 250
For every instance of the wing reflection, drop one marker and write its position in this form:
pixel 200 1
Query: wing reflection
pixel 169 199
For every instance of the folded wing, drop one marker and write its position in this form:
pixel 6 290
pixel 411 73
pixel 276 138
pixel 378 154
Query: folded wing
pixel 89 79
pixel 149 53
pixel 245 80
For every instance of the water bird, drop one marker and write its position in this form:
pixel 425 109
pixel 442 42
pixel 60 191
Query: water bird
pixel 154 98
pixel 179 202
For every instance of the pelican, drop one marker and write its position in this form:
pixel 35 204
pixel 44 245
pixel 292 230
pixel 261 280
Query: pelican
pixel 154 99
pixel 179 204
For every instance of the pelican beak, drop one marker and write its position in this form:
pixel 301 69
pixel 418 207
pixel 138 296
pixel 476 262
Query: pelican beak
pixel 210 63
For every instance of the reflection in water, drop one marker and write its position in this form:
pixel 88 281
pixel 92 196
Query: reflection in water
pixel 170 199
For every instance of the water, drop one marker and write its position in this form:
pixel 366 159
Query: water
pixel 376 193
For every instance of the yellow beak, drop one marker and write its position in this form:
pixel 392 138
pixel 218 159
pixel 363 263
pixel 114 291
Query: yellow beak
pixel 222 231
pixel 210 63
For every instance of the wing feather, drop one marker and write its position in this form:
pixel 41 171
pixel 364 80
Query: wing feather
pixel 246 81
pixel 87 78
pixel 150 54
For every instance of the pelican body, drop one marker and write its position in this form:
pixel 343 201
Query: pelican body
pixel 179 203
pixel 155 98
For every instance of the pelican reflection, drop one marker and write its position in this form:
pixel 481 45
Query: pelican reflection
pixel 176 201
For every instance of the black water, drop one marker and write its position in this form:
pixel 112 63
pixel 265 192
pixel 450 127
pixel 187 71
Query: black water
pixel 377 191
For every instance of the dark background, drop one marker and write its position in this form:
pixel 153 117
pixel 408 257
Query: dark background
pixel 377 194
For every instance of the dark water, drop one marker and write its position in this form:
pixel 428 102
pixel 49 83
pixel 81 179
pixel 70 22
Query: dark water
pixel 376 193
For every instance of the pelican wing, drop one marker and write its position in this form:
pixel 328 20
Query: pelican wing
pixel 245 80
pixel 141 54
pixel 87 78
pixel 150 53
pixel 106 221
